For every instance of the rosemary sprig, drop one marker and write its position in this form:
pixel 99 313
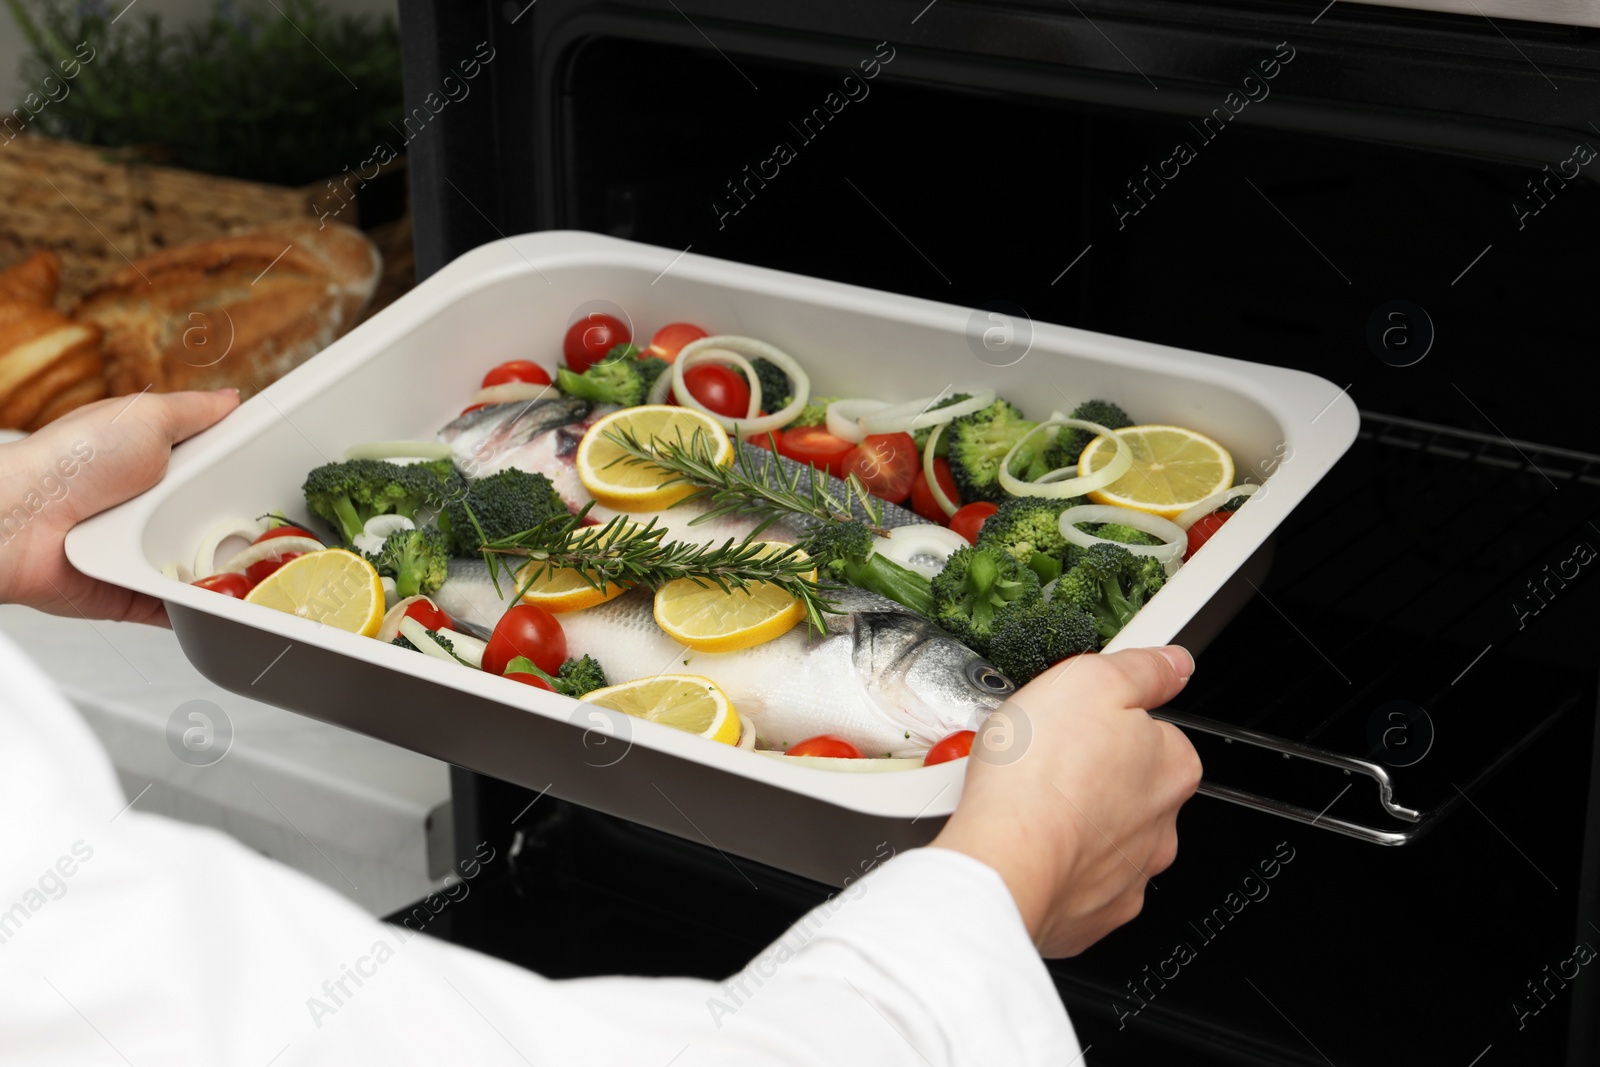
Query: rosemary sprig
pixel 623 552
pixel 766 489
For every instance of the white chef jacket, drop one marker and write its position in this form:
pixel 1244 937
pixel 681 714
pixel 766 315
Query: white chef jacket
pixel 132 938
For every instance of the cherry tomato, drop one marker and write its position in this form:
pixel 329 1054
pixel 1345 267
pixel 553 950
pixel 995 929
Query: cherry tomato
pixel 970 519
pixel 590 338
pixel 886 463
pixel 428 614
pixel 922 501
pixel 825 745
pixel 526 630
pixel 955 746
pixel 763 440
pixel 672 337
pixel 530 679
pixel 228 584
pixel 517 370
pixel 815 446
pixel 719 389
pixel 472 408
pixel 261 568
pixel 1203 528
pixel 285 531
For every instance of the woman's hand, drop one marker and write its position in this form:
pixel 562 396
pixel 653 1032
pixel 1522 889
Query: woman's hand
pixel 81 464
pixel 1078 810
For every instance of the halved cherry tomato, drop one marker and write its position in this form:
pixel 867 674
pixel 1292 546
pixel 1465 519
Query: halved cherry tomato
pixel 970 519
pixel 530 679
pixel 815 446
pixel 517 370
pixel 886 463
pixel 261 568
pixel 526 630
pixel 719 389
pixel 1203 528
pixel 470 409
pixel 922 501
pixel 955 746
pixel 228 583
pixel 825 745
pixel 672 337
pixel 428 614
pixel 285 531
pixel 590 338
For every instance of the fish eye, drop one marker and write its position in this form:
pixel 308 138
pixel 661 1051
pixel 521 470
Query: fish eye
pixel 990 680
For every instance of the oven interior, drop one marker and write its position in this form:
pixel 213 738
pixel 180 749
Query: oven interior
pixel 1434 594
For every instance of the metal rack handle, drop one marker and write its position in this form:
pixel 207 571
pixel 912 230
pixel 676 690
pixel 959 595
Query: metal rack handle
pixel 1286 810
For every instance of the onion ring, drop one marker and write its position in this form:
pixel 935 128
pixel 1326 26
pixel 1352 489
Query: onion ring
pixel 1175 539
pixel 921 414
pixel 725 348
pixel 844 417
pixel 1190 516
pixel 946 505
pixel 1065 481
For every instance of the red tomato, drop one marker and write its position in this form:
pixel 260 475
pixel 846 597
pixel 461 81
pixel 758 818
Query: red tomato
pixel 228 584
pixel 285 531
pixel 672 337
pixel 261 568
pixel 530 679
pixel 922 501
pixel 719 388
pixel 472 408
pixel 526 630
pixel 517 370
pixel 825 745
pixel 815 446
pixel 970 519
pixel 955 746
pixel 886 463
pixel 762 440
pixel 590 338
pixel 428 614
pixel 1203 528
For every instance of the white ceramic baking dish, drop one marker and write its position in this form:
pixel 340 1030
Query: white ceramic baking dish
pixel 405 372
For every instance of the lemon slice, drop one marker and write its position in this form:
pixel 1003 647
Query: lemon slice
pixel 1173 468
pixel 333 586
pixel 688 702
pixel 563 589
pixel 604 469
pixel 707 619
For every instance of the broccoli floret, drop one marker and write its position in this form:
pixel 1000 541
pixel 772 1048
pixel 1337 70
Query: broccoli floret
pixel 650 368
pixel 843 552
pixel 978 442
pixel 1111 584
pixel 1031 636
pixel 1030 529
pixel 921 436
pixel 575 677
pixel 815 413
pixel 1070 441
pixel 618 379
pixel 1116 531
pixel 404 642
pixel 505 503
pixel 417 560
pixel 347 494
pixel 976 583
pixel 776 390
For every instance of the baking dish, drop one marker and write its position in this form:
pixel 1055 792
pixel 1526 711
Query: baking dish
pixel 405 372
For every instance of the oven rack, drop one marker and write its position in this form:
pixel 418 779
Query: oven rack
pixel 1443 619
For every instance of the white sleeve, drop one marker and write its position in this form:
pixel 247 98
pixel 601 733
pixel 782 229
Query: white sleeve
pixel 134 936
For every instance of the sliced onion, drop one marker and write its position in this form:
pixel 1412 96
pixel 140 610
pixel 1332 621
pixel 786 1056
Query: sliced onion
pixel 417 634
pixel 1211 503
pixel 508 393
pixel 921 414
pixel 1065 481
pixel 905 543
pixel 276 548
pixel 178 572
pixel 1175 539
pixel 946 505
pixel 377 530
pixel 391 620
pixel 719 349
pixel 844 417
pixel 1049 588
pixel 747 736
pixel 467 647
pixel 659 389
pixel 420 450
pixel 205 557
pixel 391 591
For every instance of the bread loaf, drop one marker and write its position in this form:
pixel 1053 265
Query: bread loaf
pixel 49 364
pixel 237 311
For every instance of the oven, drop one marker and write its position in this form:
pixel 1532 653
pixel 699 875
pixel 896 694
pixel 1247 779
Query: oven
pixel 1398 855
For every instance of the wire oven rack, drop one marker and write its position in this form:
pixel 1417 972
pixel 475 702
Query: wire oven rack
pixel 1431 611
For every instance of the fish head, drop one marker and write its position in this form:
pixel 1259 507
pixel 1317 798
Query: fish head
pixel 934 682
